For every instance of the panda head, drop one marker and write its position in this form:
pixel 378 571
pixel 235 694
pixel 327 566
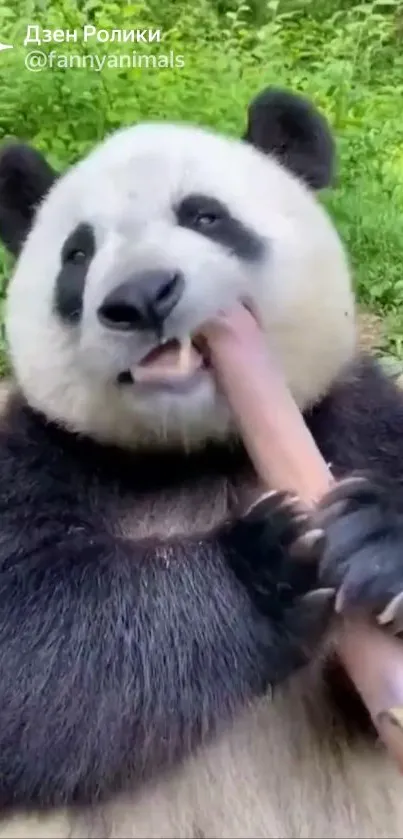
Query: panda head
pixel 146 238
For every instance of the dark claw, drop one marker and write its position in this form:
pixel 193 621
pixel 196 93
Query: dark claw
pixel 276 549
pixel 363 554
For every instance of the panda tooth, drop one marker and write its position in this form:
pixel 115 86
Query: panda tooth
pixel 185 361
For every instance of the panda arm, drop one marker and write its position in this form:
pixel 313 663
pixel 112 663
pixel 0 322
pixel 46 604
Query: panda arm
pixel 117 658
pixel 359 428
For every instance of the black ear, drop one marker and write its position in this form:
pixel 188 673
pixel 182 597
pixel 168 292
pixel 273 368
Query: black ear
pixel 25 178
pixel 289 127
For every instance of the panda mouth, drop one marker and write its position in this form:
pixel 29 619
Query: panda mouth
pixel 171 363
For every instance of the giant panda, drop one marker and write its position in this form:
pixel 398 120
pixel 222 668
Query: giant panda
pixel 166 665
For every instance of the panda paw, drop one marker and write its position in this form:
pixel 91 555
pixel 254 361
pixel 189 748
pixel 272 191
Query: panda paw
pixel 363 555
pixel 276 551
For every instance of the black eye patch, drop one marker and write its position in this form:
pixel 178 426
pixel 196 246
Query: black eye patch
pixel 76 255
pixel 210 218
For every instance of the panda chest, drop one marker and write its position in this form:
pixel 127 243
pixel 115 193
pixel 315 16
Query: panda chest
pixel 184 510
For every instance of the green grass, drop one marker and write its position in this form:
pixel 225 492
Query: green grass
pixel 347 57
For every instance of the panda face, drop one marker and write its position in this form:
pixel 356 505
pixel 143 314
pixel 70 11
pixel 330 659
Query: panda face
pixel 135 247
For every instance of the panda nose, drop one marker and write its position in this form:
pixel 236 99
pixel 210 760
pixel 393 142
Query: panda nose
pixel 143 302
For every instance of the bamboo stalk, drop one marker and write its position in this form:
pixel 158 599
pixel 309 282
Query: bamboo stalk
pixel 285 456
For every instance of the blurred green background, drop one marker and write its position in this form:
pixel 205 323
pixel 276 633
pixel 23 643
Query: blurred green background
pixel 347 56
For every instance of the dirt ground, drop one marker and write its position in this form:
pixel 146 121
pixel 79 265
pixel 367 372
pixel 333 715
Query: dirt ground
pixel 370 329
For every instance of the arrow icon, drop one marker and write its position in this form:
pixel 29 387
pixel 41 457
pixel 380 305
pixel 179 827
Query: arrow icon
pixel 6 47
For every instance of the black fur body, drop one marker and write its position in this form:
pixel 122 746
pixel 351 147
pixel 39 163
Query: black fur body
pixel 150 646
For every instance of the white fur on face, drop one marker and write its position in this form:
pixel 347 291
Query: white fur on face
pixel 127 189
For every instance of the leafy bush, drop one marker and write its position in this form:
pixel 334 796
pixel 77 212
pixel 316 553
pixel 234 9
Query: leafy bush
pixel 346 56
